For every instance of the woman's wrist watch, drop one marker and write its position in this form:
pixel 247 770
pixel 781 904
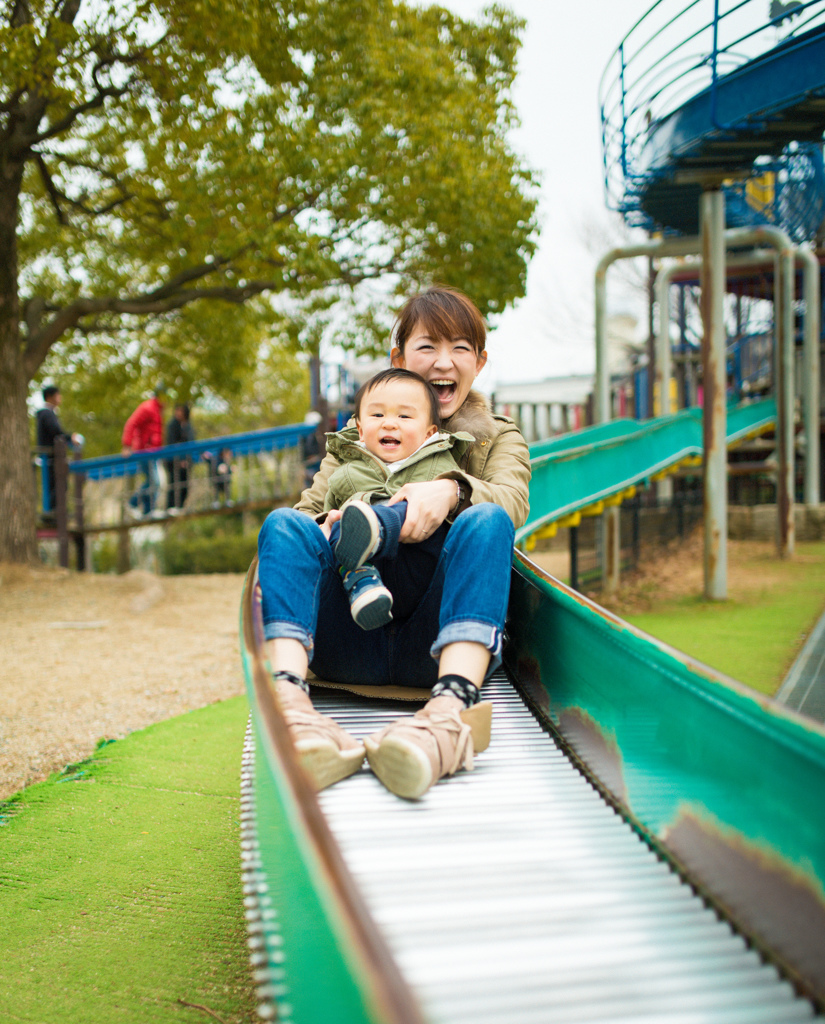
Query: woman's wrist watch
pixel 459 500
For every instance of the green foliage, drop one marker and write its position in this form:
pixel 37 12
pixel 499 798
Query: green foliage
pixel 347 142
pixel 191 186
pixel 200 555
pixel 104 554
pixel 252 383
pixel 213 544
pixel 755 635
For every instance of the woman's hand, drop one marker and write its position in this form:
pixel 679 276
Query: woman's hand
pixel 429 504
pixel 332 517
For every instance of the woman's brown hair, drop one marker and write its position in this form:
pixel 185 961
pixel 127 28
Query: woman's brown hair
pixel 442 313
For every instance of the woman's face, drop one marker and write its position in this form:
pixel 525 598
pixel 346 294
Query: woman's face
pixel 450 366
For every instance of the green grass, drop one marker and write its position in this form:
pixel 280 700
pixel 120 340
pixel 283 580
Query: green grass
pixel 120 889
pixel 756 634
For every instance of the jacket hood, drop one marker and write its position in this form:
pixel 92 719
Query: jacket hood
pixel 474 417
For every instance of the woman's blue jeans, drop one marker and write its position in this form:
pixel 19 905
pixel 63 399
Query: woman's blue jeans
pixel 304 599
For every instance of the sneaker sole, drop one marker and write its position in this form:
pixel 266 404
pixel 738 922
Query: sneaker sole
pixel 359 537
pixel 402 767
pixel 325 764
pixel 373 609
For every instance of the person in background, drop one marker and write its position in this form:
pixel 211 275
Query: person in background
pixel 48 430
pixel 311 449
pixel 142 432
pixel 220 475
pixel 178 431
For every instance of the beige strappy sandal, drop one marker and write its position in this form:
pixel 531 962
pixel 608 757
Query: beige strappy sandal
pixel 326 752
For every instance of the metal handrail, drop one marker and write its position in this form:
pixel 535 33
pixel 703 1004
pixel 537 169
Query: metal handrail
pixel 107 466
pixel 651 74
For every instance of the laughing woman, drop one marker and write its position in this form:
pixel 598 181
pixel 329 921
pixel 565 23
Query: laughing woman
pixel 450 641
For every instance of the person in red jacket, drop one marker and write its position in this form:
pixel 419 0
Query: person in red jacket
pixel 144 430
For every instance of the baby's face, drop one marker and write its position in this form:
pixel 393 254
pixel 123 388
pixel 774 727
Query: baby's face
pixel 394 419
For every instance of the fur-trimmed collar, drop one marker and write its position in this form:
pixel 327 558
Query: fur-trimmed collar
pixel 474 417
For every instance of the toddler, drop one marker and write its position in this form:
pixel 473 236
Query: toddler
pixel 397 439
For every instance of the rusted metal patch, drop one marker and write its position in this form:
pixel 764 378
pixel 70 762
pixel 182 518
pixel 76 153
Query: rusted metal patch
pixel 599 753
pixel 528 673
pixel 599 756
pixel 769 900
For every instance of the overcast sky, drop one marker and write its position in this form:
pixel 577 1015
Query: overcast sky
pixel 566 47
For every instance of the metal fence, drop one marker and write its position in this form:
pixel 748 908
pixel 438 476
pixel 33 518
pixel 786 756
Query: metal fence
pixel 647 525
pixel 254 470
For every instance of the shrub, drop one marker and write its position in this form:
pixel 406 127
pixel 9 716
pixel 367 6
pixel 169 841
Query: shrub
pixel 219 553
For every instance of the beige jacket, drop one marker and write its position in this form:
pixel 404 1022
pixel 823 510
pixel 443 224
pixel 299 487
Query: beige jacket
pixel 495 468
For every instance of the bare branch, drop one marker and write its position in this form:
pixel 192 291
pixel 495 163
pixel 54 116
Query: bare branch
pixel 68 12
pixel 192 274
pixel 52 190
pixel 72 115
pixel 19 14
pixel 57 195
pixel 153 303
pixel 33 313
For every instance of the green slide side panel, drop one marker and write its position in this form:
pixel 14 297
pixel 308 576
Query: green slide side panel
pixel 310 951
pixel 576 470
pixel 729 783
pixel 315 965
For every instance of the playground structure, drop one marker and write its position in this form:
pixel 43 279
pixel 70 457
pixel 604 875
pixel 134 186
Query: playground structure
pixel 506 895
pixel 697 99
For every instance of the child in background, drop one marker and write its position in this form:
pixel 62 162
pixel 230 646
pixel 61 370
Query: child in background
pixel 220 474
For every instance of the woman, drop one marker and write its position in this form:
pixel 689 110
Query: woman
pixel 452 640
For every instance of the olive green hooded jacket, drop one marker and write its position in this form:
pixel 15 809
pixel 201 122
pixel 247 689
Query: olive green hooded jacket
pixel 364 476
pixel 495 467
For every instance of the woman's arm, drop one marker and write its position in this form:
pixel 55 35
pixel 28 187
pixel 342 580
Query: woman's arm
pixel 428 505
pixel 505 478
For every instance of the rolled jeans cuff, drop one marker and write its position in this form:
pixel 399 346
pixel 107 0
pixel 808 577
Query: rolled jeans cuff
pixel 288 631
pixel 471 631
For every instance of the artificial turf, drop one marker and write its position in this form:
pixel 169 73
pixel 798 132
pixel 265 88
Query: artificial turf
pixel 120 892
pixel 756 634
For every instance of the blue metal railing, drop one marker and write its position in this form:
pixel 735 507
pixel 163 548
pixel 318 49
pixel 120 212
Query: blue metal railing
pixel 109 466
pixel 255 469
pixel 675 51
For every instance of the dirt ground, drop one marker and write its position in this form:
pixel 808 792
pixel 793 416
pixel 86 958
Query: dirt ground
pixel 675 571
pixel 88 657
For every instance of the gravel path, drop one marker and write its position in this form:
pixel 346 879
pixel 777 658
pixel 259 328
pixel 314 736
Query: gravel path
pixel 86 657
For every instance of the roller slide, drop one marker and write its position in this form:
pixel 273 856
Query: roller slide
pixel 643 840
pixel 580 473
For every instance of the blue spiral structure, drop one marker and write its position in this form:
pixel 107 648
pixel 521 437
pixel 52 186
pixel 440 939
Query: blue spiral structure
pixel 709 93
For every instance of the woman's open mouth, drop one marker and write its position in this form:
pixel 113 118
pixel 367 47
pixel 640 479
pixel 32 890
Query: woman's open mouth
pixel 445 388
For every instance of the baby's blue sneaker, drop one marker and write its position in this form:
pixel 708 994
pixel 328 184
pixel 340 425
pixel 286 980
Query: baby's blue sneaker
pixel 369 600
pixel 360 535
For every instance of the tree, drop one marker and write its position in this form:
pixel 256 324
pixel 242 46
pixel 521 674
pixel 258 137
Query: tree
pixel 248 380
pixel 157 154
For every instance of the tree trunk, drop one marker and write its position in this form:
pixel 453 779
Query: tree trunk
pixel 18 539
